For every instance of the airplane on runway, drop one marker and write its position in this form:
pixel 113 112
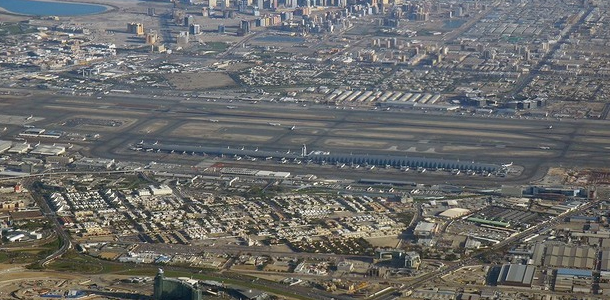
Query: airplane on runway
pixel 508 165
pixel 550 127
pixel 293 127
pixel 29 118
pixel 274 124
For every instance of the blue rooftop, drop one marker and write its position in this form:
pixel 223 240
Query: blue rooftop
pixel 575 272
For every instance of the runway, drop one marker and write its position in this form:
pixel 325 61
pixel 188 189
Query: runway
pixel 283 127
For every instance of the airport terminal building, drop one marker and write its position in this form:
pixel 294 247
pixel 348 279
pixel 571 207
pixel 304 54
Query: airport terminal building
pixel 325 157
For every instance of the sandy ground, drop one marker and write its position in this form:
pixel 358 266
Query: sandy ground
pixel 200 81
pixel 152 127
pixel 355 143
pixel 383 241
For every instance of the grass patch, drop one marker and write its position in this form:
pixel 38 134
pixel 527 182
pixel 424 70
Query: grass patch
pixel 215 46
pixel 15 28
pixel 75 262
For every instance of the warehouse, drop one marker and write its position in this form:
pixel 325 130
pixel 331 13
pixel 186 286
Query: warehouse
pixel 425 229
pixel 454 213
pixel 573 280
pixel 5 145
pixel 565 256
pixel 516 275
pixel 49 150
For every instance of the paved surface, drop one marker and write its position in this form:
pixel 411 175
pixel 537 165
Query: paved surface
pixel 526 142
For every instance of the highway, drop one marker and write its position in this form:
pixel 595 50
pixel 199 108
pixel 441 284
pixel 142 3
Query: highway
pixel 64 238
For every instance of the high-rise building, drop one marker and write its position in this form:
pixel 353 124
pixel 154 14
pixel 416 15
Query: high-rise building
pixel 151 11
pixel 135 28
pixel 189 20
pixel 151 38
pixel 183 38
pixel 245 26
pixel 175 289
pixel 195 29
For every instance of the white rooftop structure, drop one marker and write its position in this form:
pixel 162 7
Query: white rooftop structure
pixel 5 145
pixel 161 190
pixel 20 148
pixel 49 150
pixel 453 213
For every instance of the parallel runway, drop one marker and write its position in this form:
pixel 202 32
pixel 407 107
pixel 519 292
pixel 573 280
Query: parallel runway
pixel 526 142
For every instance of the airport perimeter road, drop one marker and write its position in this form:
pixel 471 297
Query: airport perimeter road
pixel 286 127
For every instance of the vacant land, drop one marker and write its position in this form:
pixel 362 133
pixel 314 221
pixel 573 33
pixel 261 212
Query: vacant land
pixel 200 81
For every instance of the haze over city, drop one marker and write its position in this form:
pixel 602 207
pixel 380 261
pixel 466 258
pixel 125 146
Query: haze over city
pixel 304 149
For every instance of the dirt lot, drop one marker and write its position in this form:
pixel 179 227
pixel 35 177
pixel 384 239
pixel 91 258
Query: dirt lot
pixel 200 81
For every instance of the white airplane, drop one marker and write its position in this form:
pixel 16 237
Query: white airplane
pixel 550 127
pixel 545 148
pixel 293 127
pixel 274 124
pixel 29 118
pixel 508 165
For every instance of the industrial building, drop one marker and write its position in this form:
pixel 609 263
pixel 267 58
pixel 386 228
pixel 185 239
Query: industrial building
pixel 20 148
pixel 49 150
pixel 516 275
pixel 605 261
pixel 566 256
pixel 425 229
pixel 94 163
pixel 454 213
pixel 161 190
pixel 573 280
pixel 5 145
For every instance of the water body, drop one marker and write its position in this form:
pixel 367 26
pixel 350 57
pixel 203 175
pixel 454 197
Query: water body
pixel 45 8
